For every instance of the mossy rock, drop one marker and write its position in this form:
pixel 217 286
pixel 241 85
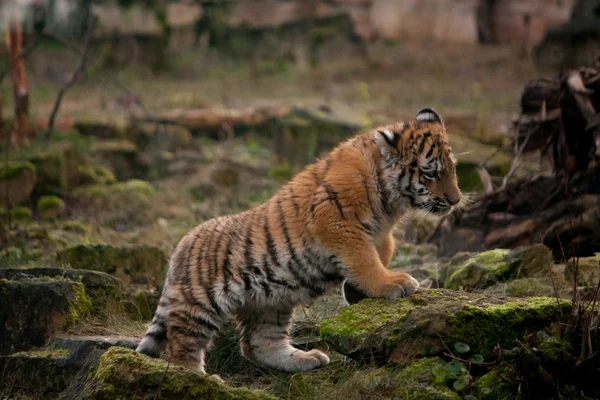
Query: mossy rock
pixel 95 174
pixel 18 179
pixel 56 163
pixel 36 310
pixel 141 301
pixel 99 286
pixel 131 264
pixel 346 380
pixel 487 268
pixel 491 386
pixel 40 374
pixel 165 137
pixel 123 157
pixel 588 271
pixel 420 324
pixel 97 129
pixel 50 207
pixel 125 374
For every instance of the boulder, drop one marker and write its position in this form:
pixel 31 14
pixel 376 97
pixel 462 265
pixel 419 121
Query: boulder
pixel 481 270
pixel 425 322
pixel 38 373
pixel 34 311
pixel 121 156
pixel 18 179
pixel 165 137
pixel 123 373
pixel 343 380
pixel 97 129
pixel 588 270
pixel 56 163
pixel 95 174
pixel 98 285
pixel 131 264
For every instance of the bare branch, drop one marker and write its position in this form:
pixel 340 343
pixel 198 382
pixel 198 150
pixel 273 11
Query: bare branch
pixel 74 78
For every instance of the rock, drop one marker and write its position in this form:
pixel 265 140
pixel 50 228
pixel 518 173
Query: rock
pixel 121 206
pixel 121 156
pixel 50 207
pixel 98 285
pixel 588 271
pixel 18 179
pixel 527 287
pixel 97 129
pixel 422 323
pixel 79 347
pixel 141 301
pixel 45 373
pixel 132 264
pixel 56 163
pixel 484 269
pixel 34 311
pixel 122 373
pixel 340 380
pixel 95 174
pixel 165 137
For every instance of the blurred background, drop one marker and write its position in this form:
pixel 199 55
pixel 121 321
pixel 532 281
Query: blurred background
pixel 126 123
pixel 141 119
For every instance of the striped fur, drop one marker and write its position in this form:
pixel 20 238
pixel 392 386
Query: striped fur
pixel 333 221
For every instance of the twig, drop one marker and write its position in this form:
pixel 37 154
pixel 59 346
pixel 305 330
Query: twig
pixel 76 75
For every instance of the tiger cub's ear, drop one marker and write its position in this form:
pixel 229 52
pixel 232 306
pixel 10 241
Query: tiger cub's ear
pixel 351 293
pixel 428 115
pixel 390 137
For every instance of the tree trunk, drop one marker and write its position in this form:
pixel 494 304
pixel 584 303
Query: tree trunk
pixel 22 131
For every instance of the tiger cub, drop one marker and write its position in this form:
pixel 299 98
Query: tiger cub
pixel 332 221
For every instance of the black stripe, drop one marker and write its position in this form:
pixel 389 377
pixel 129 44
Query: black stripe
pixel 293 198
pixel 333 197
pixel 382 191
pixel 426 135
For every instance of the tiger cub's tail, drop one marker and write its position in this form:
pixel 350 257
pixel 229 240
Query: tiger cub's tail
pixel 156 336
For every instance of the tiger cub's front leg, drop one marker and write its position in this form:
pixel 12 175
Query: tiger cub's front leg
pixel 264 339
pixel 364 264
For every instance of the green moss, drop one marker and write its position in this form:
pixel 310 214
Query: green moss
pixel 14 169
pixel 94 174
pixel 3 284
pixel 366 316
pixel 50 203
pixel 483 327
pixel 50 207
pixel 21 213
pixel 44 353
pixel 554 349
pixel 121 372
pixel 81 305
pixel 481 270
pixel 492 387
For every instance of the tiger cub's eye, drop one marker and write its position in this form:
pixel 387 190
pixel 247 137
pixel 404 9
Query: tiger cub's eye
pixel 430 174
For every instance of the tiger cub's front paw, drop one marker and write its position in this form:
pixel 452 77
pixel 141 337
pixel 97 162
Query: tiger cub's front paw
pixel 401 285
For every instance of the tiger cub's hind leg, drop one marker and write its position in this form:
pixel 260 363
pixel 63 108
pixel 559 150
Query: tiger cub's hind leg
pixel 190 331
pixel 264 339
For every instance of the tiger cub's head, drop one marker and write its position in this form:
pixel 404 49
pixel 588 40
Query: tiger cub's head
pixel 418 164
